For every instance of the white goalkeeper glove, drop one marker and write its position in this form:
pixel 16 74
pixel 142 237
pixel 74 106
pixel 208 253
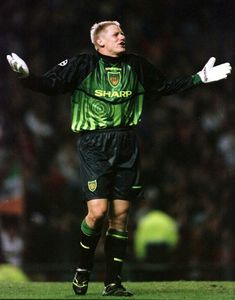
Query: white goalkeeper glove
pixel 210 73
pixel 18 65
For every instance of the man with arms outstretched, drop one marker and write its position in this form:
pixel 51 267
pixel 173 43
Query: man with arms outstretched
pixel 108 89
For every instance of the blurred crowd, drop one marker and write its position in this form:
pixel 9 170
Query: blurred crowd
pixel 187 140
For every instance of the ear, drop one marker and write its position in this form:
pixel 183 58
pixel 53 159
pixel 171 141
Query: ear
pixel 100 42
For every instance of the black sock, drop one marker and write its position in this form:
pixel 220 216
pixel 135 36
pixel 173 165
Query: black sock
pixel 89 239
pixel 115 250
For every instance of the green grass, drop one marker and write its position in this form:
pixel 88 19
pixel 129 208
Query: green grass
pixel 190 290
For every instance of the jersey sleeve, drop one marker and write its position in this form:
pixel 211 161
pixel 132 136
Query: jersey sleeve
pixel 157 84
pixel 61 79
pixel 179 84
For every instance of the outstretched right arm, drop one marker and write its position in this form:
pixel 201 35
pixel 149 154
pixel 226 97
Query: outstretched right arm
pixel 60 79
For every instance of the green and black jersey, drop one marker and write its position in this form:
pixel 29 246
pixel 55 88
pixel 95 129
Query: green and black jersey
pixel 107 92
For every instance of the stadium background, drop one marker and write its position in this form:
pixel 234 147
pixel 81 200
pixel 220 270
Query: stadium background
pixel 187 140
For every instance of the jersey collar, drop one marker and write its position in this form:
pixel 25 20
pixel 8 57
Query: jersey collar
pixel 111 59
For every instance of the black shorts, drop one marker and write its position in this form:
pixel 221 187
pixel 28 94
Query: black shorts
pixel 109 164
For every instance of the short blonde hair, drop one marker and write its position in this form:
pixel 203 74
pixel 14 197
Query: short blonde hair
pixel 98 27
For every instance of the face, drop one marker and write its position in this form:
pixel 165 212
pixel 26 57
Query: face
pixel 112 41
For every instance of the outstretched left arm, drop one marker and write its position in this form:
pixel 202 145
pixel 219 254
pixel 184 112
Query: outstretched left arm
pixel 208 74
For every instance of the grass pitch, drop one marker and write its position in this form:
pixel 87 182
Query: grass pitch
pixel 190 290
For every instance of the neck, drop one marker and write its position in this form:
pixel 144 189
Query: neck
pixel 108 53
pixel 111 59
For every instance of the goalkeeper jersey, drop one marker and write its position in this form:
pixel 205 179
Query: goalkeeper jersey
pixel 107 92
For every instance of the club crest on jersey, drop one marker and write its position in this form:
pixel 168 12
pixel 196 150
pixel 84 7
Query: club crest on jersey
pixel 92 185
pixel 114 78
pixel 63 63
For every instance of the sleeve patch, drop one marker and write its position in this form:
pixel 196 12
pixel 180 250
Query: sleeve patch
pixel 63 63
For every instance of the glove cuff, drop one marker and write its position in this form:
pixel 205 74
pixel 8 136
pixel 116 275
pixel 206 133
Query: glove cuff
pixel 196 79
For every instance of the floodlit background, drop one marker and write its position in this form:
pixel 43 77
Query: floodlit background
pixel 182 227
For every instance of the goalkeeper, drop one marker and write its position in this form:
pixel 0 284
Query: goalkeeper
pixel 108 90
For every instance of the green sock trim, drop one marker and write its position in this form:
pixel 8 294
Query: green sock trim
pixel 196 79
pixel 117 234
pixel 88 230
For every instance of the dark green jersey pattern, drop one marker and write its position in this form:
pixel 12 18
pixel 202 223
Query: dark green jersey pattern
pixel 107 92
pixel 109 96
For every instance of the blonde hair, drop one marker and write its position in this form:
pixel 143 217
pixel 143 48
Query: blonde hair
pixel 97 28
